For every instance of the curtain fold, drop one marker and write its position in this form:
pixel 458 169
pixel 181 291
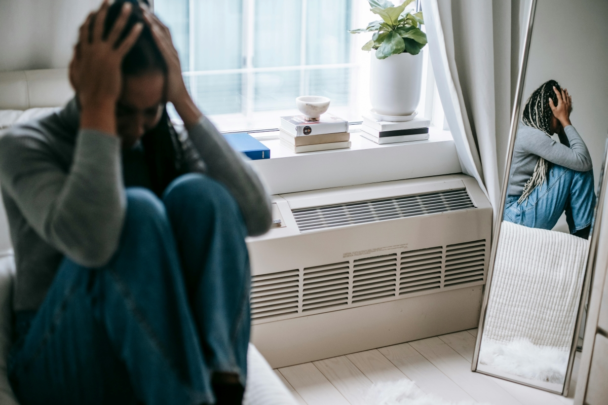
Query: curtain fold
pixel 472 44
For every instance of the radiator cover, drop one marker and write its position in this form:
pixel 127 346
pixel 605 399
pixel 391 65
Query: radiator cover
pixel 300 275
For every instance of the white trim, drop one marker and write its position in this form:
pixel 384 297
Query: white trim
pixel 365 162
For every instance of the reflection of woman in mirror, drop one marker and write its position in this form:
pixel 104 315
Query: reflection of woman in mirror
pixel 549 177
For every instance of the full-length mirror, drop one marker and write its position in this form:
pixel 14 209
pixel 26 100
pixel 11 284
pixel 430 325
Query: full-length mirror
pixel 528 328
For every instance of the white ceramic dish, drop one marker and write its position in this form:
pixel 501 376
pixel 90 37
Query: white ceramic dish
pixel 312 106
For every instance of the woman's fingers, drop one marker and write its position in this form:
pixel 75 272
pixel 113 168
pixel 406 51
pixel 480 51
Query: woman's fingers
pixel 128 42
pixel 559 96
pixel 553 107
pixel 85 31
pixel 120 23
pixel 100 19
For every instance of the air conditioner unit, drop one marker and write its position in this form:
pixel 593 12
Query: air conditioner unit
pixel 355 268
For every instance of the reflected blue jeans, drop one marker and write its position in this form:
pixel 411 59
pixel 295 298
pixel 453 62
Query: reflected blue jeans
pixel 169 310
pixel 564 190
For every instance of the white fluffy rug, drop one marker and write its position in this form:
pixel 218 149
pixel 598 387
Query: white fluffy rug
pixel 524 359
pixel 405 392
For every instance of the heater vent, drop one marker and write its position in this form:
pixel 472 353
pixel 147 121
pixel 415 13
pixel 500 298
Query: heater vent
pixel 325 286
pixel 362 212
pixel 374 278
pixel 351 282
pixel 465 263
pixel 420 270
pixel 275 294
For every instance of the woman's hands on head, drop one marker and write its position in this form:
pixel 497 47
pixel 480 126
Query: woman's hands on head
pixel 564 106
pixel 176 88
pixel 95 67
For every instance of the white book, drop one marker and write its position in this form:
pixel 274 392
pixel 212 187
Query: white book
pixel 417 122
pixel 394 139
pixel 298 125
pixel 318 147
pixel 400 132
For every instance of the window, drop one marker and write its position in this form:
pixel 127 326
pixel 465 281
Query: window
pixel 245 61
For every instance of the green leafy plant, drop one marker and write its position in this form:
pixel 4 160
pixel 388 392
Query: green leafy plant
pixel 397 32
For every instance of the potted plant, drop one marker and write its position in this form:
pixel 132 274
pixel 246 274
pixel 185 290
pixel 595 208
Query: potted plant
pixel 396 71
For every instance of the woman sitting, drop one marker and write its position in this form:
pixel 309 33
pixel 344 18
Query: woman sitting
pixel 133 275
pixel 548 177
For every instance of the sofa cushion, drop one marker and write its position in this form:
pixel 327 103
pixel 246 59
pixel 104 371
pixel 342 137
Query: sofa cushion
pixel 9 117
pixel 7 271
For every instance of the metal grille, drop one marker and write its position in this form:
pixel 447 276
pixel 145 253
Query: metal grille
pixel 465 263
pixel 362 212
pixel 374 277
pixel 420 270
pixel 326 286
pixel 275 294
pixel 377 278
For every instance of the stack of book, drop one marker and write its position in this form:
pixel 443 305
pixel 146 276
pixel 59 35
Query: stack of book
pixel 327 133
pixel 383 132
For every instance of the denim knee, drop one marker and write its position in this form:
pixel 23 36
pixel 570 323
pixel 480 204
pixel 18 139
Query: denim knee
pixel 142 205
pixel 197 191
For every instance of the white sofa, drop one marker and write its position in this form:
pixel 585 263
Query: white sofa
pixel 26 95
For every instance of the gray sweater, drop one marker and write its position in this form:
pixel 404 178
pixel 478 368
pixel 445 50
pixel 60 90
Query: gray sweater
pixel 64 194
pixel 531 144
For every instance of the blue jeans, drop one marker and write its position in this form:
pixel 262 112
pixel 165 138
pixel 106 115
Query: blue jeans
pixel 564 190
pixel 155 324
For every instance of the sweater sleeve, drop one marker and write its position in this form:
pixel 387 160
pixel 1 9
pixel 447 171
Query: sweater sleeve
pixel 228 167
pixel 80 212
pixel 576 157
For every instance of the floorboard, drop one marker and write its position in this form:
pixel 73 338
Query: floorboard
pixel 347 378
pixel 458 370
pixel 439 366
pixel 464 344
pixel 291 389
pixel 376 367
pixel 312 385
pixel 428 377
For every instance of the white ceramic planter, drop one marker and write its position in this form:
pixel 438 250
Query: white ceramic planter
pixel 395 84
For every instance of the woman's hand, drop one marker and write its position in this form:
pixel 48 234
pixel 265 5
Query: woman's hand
pixel 95 68
pixel 564 107
pixel 177 92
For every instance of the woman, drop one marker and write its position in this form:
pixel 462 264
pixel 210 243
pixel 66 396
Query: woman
pixel 133 276
pixel 548 177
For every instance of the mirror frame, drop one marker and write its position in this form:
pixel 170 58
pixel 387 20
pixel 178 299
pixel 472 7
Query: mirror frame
pixel 498 221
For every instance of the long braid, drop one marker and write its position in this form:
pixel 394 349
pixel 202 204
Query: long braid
pixel 537 114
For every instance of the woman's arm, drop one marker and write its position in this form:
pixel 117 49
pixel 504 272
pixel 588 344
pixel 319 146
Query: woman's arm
pixel 576 157
pixel 572 152
pixel 222 162
pixel 79 212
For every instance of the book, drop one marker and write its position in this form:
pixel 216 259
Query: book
pixel 417 122
pixel 401 132
pixel 314 139
pixel 297 125
pixel 317 147
pixel 248 145
pixel 394 139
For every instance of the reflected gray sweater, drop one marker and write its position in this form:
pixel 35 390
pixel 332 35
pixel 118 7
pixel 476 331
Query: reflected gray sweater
pixel 531 143
pixel 64 194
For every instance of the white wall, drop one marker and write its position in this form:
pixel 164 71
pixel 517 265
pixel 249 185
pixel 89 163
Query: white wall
pixel 39 34
pixel 569 45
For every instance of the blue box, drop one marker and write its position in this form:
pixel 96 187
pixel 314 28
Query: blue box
pixel 247 144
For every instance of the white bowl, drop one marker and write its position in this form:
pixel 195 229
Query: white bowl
pixel 312 106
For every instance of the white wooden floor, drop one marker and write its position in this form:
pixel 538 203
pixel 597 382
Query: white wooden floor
pixel 439 366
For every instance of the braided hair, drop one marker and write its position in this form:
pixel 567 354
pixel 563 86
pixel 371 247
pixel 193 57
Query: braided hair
pixel 168 154
pixel 537 114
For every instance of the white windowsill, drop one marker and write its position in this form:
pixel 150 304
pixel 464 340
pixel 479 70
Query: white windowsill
pixel 365 162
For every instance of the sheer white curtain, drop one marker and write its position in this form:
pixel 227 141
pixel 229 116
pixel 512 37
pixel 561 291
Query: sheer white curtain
pixel 474 48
